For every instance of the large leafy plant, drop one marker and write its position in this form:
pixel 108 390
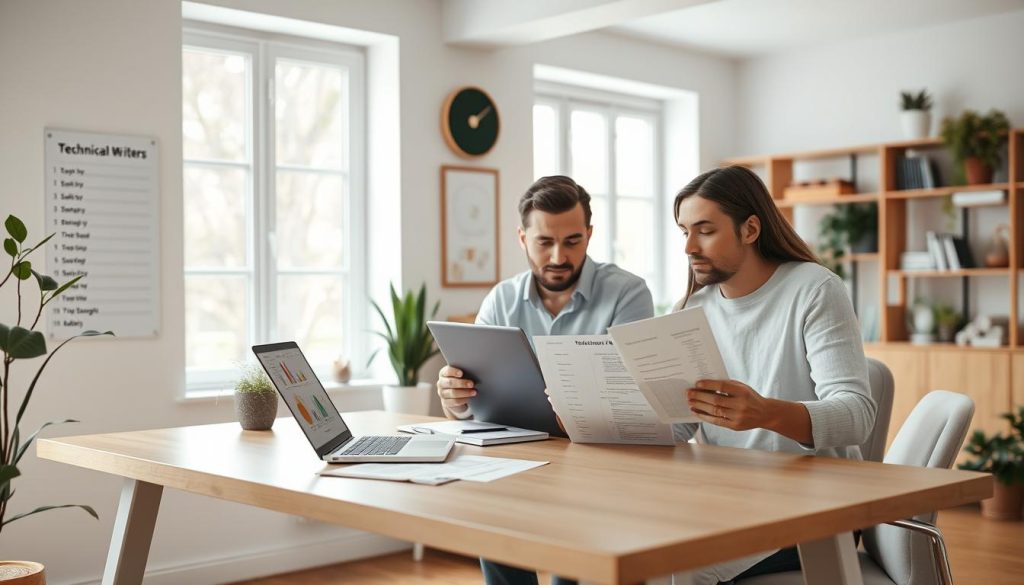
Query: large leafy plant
pixel 24 343
pixel 1001 454
pixel 409 342
pixel 973 135
pixel 845 226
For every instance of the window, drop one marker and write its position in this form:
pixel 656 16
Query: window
pixel 609 144
pixel 273 200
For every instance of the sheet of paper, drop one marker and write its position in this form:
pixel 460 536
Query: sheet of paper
pixel 594 395
pixel 668 354
pixel 466 467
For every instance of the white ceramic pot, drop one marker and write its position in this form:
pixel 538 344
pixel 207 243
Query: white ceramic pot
pixel 916 123
pixel 408 399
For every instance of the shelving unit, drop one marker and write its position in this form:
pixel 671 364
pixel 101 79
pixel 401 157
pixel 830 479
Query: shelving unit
pixel 994 377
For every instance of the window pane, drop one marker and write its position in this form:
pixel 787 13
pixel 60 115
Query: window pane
pixel 309 310
pixel 216 320
pixel 634 157
pixel 635 218
pixel 598 248
pixel 590 151
pixel 215 217
pixel 214 105
pixel 310 220
pixel 545 141
pixel 309 106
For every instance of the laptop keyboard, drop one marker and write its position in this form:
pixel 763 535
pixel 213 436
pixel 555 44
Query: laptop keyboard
pixel 376 445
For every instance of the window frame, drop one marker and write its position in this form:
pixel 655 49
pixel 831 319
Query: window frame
pixel 265 50
pixel 567 98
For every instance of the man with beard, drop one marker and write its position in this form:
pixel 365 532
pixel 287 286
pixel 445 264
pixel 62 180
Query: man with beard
pixel 563 293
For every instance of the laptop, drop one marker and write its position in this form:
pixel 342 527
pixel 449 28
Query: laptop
pixel 320 420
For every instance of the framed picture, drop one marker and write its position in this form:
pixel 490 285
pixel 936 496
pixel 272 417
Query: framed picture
pixel 469 226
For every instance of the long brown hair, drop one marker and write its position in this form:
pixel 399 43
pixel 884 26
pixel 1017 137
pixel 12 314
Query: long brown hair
pixel 740 194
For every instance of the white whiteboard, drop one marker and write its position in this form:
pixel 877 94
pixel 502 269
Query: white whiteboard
pixel 102 204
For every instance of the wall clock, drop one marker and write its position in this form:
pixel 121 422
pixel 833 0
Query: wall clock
pixel 470 122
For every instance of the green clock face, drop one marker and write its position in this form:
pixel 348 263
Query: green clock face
pixel 470 122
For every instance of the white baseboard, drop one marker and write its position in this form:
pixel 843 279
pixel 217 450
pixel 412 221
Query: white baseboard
pixel 284 559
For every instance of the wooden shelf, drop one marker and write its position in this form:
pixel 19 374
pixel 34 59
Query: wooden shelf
pixel 951 273
pixel 933 142
pixel 943 191
pixel 749 161
pixel 829 200
pixel 883 345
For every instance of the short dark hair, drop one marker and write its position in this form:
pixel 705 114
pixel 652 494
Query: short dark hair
pixel 554 194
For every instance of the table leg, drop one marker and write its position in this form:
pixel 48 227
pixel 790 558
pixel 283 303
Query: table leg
pixel 832 561
pixel 677 579
pixel 133 533
pixel 417 551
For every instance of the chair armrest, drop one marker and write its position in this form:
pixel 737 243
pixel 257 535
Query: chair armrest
pixel 934 535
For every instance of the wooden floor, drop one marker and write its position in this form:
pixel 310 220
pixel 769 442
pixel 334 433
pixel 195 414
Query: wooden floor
pixel 981 551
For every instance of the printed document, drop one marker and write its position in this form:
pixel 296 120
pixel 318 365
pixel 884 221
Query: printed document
pixel 668 354
pixel 594 395
pixel 467 467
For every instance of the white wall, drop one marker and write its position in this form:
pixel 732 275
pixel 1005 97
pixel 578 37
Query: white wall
pixel 848 94
pixel 114 66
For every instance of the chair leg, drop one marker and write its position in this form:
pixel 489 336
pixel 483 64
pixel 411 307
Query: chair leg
pixel 938 546
pixel 417 551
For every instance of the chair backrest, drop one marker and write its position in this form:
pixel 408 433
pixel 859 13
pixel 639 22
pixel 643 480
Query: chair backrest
pixel 931 437
pixel 881 386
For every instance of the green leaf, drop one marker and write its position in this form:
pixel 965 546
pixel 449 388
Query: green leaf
pixel 22 270
pixel 45 282
pixel 7 473
pixel 11 247
pixel 88 509
pixel 16 228
pixel 19 452
pixel 65 287
pixel 21 343
pixel 39 372
pixel 36 247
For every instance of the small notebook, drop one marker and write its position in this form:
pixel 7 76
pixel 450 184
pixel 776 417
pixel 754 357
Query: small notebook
pixel 475 433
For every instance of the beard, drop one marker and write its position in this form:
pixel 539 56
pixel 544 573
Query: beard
pixel 556 284
pixel 709 274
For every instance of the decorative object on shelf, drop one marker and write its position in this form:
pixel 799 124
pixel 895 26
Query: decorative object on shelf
pixel 25 343
pixel 409 346
pixel 921 323
pixel 976 142
pixel 849 225
pixel 469 227
pixel 997 255
pixel 255 399
pixel 947 319
pixel 1002 455
pixel 22 573
pixel 341 370
pixel 916 117
pixel 806 190
pixel 984 331
pixel 469 122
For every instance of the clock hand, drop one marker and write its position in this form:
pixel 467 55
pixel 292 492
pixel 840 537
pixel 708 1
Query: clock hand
pixel 474 120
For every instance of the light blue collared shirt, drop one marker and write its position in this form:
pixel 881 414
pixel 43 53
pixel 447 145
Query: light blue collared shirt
pixel 605 295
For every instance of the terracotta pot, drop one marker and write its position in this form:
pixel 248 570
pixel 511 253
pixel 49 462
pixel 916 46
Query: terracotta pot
pixel 1006 503
pixel 22 573
pixel 977 171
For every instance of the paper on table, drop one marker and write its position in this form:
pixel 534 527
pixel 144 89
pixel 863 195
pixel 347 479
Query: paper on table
pixel 668 354
pixel 467 467
pixel 594 395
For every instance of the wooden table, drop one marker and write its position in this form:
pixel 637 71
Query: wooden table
pixel 600 513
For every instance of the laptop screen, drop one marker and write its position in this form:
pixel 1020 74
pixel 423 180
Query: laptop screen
pixel 302 392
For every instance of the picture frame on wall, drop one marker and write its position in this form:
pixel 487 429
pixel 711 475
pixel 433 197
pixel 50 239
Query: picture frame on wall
pixel 469 226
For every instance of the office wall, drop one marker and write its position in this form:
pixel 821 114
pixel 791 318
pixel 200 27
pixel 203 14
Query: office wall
pixel 114 66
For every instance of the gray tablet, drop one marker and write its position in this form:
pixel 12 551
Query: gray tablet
pixel 500 360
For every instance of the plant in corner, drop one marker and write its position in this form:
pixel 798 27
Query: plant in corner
pixel 19 342
pixel 850 225
pixel 255 399
pixel 915 117
pixel 1002 455
pixel 409 346
pixel 976 143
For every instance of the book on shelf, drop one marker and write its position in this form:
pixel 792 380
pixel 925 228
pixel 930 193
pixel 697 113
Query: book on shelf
pixel 936 250
pixel 916 260
pixel 916 172
pixel 979 198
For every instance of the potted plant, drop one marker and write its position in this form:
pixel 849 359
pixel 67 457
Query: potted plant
pixel 409 346
pixel 255 399
pixel 947 319
pixel 22 341
pixel 852 226
pixel 976 143
pixel 916 117
pixel 1002 455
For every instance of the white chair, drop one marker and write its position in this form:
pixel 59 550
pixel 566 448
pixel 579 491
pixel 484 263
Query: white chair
pixel 881 385
pixel 910 552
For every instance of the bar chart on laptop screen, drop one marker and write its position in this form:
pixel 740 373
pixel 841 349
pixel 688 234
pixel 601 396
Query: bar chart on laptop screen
pixel 305 396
